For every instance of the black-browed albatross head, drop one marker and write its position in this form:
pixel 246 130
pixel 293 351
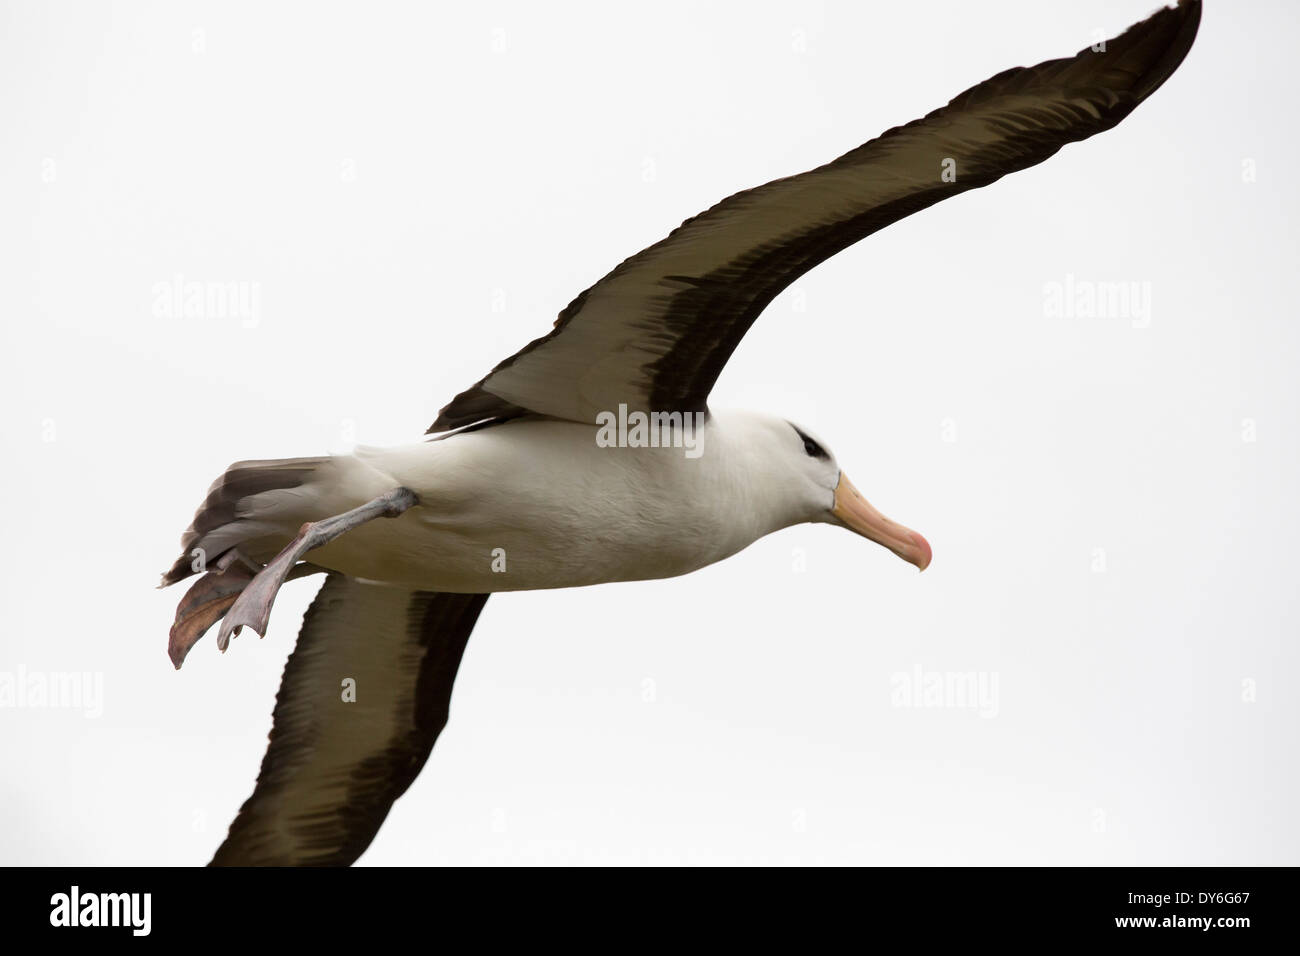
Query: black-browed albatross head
pixel 818 491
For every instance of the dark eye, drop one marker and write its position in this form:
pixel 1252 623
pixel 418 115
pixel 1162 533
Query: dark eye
pixel 813 449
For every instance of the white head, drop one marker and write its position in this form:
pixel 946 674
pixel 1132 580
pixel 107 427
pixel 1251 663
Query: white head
pixel 799 481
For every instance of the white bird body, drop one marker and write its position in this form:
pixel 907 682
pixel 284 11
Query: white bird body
pixel 538 503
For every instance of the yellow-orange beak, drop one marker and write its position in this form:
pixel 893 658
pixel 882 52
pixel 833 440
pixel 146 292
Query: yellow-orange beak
pixel 857 514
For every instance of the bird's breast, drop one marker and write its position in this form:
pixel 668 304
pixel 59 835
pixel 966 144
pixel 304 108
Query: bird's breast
pixel 540 504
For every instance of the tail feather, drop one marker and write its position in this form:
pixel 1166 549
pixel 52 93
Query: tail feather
pixel 225 520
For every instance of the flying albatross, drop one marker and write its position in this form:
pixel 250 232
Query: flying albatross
pixel 587 457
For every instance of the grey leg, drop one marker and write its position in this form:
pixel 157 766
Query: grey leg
pixel 253 606
pixel 234 555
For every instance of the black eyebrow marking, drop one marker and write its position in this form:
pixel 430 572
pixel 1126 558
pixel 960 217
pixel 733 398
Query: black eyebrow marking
pixel 810 444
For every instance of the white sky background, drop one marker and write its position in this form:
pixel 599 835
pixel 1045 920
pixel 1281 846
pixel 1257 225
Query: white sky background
pixel 385 174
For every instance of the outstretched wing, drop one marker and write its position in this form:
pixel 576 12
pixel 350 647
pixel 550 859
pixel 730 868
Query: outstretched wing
pixel 334 766
pixel 655 333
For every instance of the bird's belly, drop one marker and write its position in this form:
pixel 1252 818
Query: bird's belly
pixel 422 549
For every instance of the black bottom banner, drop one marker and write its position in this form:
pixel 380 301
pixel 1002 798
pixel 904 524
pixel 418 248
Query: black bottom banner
pixel 1168 906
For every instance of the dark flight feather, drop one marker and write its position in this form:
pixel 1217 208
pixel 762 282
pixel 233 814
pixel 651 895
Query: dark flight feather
pixel 333 768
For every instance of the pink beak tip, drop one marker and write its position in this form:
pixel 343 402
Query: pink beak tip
pixel 924 552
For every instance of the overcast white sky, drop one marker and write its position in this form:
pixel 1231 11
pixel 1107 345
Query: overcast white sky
pixel 413 192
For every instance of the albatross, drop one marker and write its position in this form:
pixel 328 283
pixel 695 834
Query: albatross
pixel 589 456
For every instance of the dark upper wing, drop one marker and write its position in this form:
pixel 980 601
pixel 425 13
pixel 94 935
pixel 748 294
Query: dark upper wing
pixel 333 768
pixel 656 332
